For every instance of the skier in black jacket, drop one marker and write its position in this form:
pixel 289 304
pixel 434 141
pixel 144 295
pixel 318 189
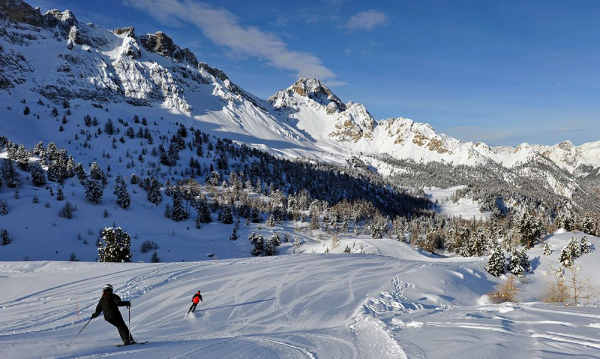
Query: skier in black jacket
pixel 109 304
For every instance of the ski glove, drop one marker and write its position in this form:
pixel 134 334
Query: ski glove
pixel 127 304
pixel 94 315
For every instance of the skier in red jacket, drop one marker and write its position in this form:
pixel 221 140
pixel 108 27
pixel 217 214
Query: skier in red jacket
pixel 195 300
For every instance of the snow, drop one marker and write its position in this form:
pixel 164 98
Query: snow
pixel 465 208
pixel 399 304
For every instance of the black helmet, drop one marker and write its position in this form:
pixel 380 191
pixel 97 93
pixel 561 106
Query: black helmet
pixel 108 287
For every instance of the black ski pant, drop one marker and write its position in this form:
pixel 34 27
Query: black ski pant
pixel 193 307
pixel 123 330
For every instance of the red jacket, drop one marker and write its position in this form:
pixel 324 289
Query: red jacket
pixel 197 297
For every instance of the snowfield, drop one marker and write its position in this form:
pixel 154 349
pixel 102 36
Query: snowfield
pixel 402 304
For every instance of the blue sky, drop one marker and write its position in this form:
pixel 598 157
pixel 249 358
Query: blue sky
pixel 501 72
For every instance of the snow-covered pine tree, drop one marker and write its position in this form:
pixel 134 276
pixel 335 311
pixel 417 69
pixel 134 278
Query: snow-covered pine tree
pixel 259 243
pixel 116 247
pixel 93 191
pixel 566 220
pixel 96 172
pixel 525 263
pixel 565 258
pixel 515 263
pixel 270 221
pixel 569 253
pixel 4 237
pixel 120 190
pixel 585 245
pixel 529 228
pixel 495 264
pixel 547 250
pixel 588 225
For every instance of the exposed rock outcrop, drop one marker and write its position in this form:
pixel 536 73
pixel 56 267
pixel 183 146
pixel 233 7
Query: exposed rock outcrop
pixel 163 45
pixel 20 11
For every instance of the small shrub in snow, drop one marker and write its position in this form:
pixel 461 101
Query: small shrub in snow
pixel 148 246
pixel 505 292
pixel 67 210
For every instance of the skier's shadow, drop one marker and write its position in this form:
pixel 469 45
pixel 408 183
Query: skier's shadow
pixel 237 305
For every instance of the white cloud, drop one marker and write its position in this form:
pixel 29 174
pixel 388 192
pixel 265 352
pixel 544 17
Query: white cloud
pixel 334 83
pixel 223 28
pixel 367 20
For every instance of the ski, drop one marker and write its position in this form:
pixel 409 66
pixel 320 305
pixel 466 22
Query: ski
pixel 134 343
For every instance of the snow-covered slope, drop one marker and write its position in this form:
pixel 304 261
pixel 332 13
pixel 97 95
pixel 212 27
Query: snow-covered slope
pixel 301 306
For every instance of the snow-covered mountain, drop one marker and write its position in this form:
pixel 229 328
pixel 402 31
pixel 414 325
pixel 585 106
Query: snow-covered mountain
pixel 54 59
pixel 55 56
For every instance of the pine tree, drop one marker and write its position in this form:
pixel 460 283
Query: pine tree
pixel 586 246
pixel 589 225
pixel 154 194
pixel 203 213
pixel 270 221
pixel 569 253
pixel 254 215
pixel 3 208
pixel 565 220
pixel 116 246
pixel 547 250
pixel 155 258
pixel 516 263
pixel 259 243
pixel 38 175
pixel 4 238
pixel 96 172
pixel 226 216
pixel 179 212
pixel 120 190
pixel 530 229
pixel 496 262
pixel 565 257
pixel 93 191
pixel 60 196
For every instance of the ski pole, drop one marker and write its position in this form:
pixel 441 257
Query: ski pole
pixel 130 336
pixel 88 322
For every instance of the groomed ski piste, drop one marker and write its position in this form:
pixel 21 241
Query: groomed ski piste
pixel 399 303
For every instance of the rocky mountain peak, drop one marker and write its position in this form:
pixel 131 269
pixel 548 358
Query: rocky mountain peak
pixel 315 90
pixel 163 45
